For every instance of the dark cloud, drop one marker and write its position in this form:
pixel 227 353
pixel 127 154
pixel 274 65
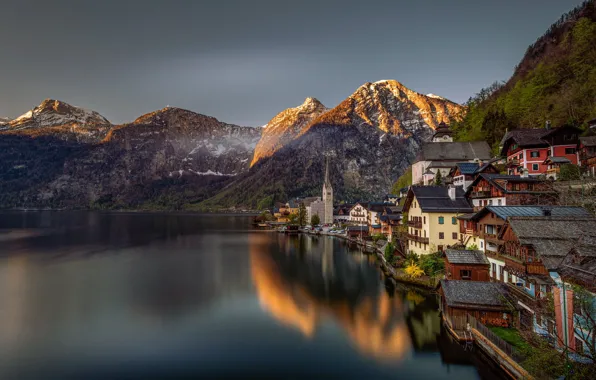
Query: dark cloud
pixel 244 61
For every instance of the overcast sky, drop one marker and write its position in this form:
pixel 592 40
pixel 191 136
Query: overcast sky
pixel 245 61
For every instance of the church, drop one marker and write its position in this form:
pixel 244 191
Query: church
pixel 327 197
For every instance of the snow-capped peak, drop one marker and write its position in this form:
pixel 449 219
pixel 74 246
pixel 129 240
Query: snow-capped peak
pixel 434 96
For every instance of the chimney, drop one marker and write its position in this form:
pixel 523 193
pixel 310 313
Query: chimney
pixel 451 192
pixel 547 126
pixel 524 173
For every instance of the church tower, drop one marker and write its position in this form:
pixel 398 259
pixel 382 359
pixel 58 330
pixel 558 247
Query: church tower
pixel 327 196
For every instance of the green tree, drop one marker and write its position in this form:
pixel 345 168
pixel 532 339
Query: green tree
pixel 315 220
pixel 265 203
pixel 439 178
pixel 302 214
pixel 569 172
pixel 293 219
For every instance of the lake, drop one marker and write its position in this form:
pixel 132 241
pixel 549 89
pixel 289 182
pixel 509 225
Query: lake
pixel 90 295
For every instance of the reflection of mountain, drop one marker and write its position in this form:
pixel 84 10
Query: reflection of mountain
pixel 299 288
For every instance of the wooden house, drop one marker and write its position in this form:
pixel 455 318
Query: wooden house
pixel 529 148
pixel 466 265
pixel 464 173
pixel 507 190
pixel 587 154
pixel 488 302
pixel 358 232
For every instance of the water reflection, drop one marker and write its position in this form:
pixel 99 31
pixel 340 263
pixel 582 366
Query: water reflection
pixel 301 287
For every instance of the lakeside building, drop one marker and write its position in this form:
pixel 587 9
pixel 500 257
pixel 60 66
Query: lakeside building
pixel 359 213
pixel 464 173
pixel 470 265
pixel 587 154
pixel 529 148
pixel 341 214
pixel 432 217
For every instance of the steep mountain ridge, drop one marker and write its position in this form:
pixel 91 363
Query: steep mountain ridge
pixel 371 138
pixel 286 126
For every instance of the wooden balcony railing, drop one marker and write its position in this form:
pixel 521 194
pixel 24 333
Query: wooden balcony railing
pixel 416 223
pixel 480 194
pixel 420 239
pixel 513 163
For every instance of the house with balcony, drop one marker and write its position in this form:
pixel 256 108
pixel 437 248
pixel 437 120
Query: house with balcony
pixel 359 213
pixel 464 173
pixel 529 148
pixel 553 166
pixel 470 265
pixel 483 228
pixel 390 221
pixel 373 216
pixel 534 252
pixel 587 154
pixel 432 217
pixel 341 213
pixel 504 190
pixel 443 156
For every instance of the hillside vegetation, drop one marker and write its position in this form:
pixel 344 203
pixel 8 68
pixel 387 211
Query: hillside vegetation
pixel 555 80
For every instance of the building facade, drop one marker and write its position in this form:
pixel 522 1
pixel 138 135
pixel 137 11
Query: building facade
pixel 327 197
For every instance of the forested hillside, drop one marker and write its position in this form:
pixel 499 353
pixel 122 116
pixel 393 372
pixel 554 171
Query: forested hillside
pixel 555 80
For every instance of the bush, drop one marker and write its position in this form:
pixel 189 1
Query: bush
pixel 432 263
pixel 412 270
pixel 570 172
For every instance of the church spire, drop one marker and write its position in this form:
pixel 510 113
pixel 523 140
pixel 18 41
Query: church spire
pixel 327 171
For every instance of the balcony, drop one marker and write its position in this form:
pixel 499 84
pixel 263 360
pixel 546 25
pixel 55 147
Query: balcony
pixel 513 163
pixel 416 223
pixel 419 239
pixel 480 194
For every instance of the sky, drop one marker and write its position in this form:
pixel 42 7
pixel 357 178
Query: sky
pixel 244 61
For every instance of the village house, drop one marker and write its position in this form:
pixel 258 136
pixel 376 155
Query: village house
pixel 359 213
pixel 488 302
pixel 373 215
pixel 587 154
pixel 390 221
pixel 508 190
pixel 443 156
pixel 357 232
pixel 464 173
pixel 392 199
pixel 534 251
pixel 308 202
pixel 529 148
pixel 482 229
pixel 470 265
pixel 432 217
pixel 341 214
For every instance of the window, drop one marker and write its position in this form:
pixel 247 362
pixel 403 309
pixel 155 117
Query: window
pixel 535 154
pixel 453 220
pixel 499 202
pixel 454 235
pixel 441 220
pixel 528 285
pixel 535 167
pixel 482 245
pixel 440 248
pixel 501 272
pixel 441 235
pixel 494 271
pixel 465 274
pixel 516 186
pixel 490 202
pixel 548 153
pixel 569 150
pixel 424 220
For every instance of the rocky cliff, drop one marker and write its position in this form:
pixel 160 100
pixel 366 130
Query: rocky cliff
pixel 54 157
pixel 371 138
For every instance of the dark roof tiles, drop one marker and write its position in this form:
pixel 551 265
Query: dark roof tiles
pixel 454 151
pixel 466 257
pixel 474 293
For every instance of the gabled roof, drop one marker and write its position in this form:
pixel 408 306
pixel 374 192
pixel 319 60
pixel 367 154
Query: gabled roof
pixel 466 257
pixel 504 212
pixel 498 180
pixel 377 206
pixel 455 151
pixel 475 294
pixel 467 167
pixel 436 199
pixel 588 140
pixel 557 160
pixel 361 204
pixel 530 137
pixel 555 236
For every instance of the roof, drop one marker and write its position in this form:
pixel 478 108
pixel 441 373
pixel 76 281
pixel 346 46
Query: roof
pixel 556 236
pixel 504 212
pixel 500 181
pixel 442 130
pixel 530 137
pixel 476 294
pixel 466 257
pixel 389 217
pixel 588 140
pixel 558 160
pixel 467 167
pixel 436 199
pixel 455 151
pixel 377 206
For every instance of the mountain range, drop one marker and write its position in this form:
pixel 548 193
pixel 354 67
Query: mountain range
pixel 61 156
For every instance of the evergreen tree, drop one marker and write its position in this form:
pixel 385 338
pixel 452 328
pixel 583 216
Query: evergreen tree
pixel 439 178
pixel 315 220
pixel 302 214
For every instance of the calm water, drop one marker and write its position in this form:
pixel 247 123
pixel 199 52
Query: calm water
pixel 142 296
